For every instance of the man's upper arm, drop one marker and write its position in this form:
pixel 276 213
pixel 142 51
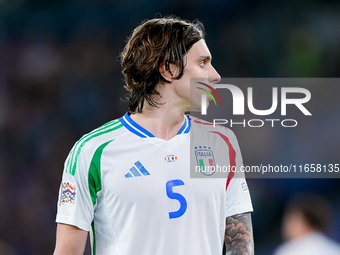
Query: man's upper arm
pixel 70 240
pixel 239 235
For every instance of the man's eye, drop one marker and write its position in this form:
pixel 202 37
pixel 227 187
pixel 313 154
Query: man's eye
pixel 202 63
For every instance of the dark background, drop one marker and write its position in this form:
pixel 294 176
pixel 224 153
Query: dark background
pixel 60 78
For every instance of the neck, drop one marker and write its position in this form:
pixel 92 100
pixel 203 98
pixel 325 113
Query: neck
pixel 167 119
pixel 296 226
pixel 303 230
pixel 162 122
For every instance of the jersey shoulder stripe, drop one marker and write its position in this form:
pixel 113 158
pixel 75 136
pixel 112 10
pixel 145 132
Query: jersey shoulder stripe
pixel 95 183
pixel 232 156
pixel 227 136
pixel 71 161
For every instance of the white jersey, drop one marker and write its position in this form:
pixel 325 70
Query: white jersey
pixel 310 244
pixel 134 191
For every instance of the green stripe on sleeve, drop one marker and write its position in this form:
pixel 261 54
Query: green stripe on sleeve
pixel 76 147
pixel 95 183
pixel 72 161
pixel 93 239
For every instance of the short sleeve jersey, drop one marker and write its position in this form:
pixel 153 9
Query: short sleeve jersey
pixel 135 195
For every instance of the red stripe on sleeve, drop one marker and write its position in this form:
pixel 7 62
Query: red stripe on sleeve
pixel 232 157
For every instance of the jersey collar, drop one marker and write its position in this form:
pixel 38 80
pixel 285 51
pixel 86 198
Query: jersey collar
pixel 142 132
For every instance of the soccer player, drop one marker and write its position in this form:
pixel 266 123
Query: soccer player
pixel 128 182
pixel 306 219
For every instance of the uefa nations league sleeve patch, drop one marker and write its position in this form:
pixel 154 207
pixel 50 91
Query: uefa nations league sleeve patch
pixel 244 186
pixel 68 195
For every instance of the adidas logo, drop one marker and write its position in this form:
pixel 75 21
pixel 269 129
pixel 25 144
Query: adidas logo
pixel 134 170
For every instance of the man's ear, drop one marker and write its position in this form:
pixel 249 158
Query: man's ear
pixel 168 71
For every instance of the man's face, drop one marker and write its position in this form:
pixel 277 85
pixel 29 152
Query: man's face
pixel 198 66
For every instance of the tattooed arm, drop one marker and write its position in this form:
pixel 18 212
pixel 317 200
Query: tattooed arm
pixel 239 235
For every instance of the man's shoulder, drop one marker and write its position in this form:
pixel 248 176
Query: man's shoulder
pixel 314 243
pixel 107 132
pixel 91 141
pixel 84 149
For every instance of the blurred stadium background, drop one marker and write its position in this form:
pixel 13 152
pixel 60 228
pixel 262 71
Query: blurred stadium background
pixel 60 78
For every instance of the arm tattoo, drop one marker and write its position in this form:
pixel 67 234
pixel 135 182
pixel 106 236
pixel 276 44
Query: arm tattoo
pixel 239 235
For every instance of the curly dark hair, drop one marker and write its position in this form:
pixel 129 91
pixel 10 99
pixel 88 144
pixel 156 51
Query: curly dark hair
pixel 155 42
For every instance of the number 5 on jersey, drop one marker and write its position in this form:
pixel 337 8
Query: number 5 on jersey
pixel 177 196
